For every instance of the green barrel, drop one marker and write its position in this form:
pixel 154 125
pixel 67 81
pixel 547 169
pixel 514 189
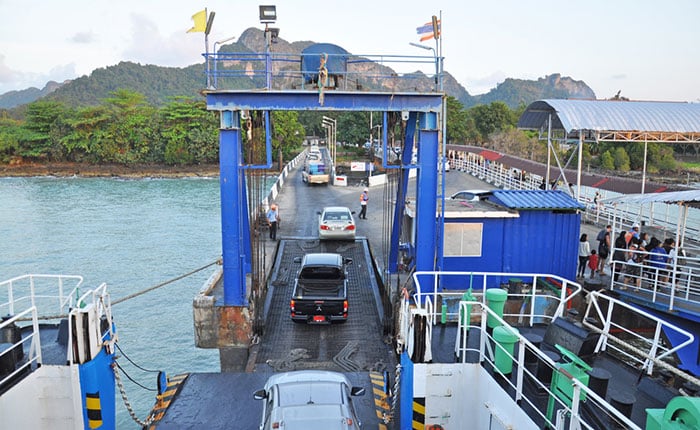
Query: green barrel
pixel 496 300
pixel 506 337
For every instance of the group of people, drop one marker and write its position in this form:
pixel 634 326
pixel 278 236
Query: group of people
pixel 635 255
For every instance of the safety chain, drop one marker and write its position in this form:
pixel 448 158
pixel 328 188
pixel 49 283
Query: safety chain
pixel 394 396
pixel 136 419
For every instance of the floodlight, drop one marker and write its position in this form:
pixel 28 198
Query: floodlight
pixel 268 14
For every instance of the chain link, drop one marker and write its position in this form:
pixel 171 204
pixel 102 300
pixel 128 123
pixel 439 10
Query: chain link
pixel 136 419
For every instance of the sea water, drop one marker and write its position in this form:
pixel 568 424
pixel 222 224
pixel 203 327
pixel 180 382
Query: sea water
pixel 131 234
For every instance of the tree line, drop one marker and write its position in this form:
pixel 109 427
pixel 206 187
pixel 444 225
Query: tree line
pixel 126 129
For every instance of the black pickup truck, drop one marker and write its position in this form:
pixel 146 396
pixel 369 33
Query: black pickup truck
pixel 320 293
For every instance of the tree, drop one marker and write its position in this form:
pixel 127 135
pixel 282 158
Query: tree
pixel 607 161
pixel 40 140
pixel 621 160
pixel 492 117
pixel 458 122
pixel 287 133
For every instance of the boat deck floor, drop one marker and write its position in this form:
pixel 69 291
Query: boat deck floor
pixel 355 348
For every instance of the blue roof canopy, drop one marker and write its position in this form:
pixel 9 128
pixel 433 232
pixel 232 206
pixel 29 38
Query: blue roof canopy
pixel 536 200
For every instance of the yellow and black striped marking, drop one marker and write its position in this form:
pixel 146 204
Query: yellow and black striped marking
pixel 94 409
pixel 163 400
pixel 381 402
pixel 419 413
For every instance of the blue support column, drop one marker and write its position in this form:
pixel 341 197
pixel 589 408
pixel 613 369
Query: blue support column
pixel 232 211
pixel 401 192
pixel 426 204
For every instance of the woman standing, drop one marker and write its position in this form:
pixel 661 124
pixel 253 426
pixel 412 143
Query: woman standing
pixel 584 251
pixel 619 256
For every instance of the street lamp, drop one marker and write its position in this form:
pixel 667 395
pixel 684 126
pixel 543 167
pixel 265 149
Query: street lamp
pixel 437 69
pixel 268 15
pixel 216 58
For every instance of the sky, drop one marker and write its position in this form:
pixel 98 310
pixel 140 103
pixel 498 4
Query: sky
pixel 647 49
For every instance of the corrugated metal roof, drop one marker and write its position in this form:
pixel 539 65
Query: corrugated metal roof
pixel 688 198
pixel 536 200
pixel 606 115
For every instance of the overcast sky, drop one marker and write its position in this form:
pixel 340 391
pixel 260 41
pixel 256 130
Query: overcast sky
pixel 648 49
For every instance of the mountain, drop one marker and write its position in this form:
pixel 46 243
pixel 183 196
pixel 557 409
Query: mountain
pixel 15 98
pixel 159 84
pixel 516 91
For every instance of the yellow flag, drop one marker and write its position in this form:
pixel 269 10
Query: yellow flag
pixel 200 22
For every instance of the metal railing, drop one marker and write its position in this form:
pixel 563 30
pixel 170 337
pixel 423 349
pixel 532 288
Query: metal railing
pixel 544 290
pixel 50 294
pixel 601 309
pixel 664 283
pixel 647 351
pixel 349 72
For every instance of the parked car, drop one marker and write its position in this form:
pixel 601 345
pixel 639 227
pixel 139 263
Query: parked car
pixel 469 195
pixel 336 222
pixel 320 294
pixel 309 400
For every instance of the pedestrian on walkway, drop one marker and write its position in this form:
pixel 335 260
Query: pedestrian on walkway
pixel 604 243
pixel 364 197
pixel 584 251
pixel 273 218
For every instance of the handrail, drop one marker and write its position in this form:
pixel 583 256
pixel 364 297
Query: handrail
pixel 656 352
pixel 286 71
pixel 31 289
pixel 34 355
pixel 493 279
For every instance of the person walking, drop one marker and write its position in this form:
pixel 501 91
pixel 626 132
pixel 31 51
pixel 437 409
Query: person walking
pixel 604 243
pixel 619 255
pixel 584 251
pixel 364 197
pixel 273 218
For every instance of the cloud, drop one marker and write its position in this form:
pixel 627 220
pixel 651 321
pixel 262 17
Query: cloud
pixel 7 75
pixel 484 84
pixel 17 80
pixel 148 46
pixel 618 76
pixel 82 38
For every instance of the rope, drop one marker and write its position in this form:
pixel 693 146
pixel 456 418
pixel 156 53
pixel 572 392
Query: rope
pixel 162 284
pixel 136 419
pixel 395 396
pixel 132 361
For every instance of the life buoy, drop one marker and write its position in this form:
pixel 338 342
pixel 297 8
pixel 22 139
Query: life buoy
pixel 434 427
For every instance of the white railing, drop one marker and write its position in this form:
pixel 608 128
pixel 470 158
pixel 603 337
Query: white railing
pixel 580 392
pixel 50 294
pixel 646 351
pixel 668 287
pixel 658 216
pixel 34 355
pixel 649 351
pixel 438 294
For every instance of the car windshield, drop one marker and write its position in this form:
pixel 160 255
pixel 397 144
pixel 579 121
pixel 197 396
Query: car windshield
pixel 298 393
pixel 336 216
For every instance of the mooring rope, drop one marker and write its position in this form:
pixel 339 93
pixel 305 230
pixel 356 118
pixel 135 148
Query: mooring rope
pixel 162 284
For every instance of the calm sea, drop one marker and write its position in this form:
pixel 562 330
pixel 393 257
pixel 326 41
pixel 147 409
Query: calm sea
pixel 131 234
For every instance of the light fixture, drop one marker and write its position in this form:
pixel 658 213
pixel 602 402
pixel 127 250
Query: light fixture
pixel 268 14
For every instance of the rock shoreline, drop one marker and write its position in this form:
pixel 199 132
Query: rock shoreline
pixel 107 170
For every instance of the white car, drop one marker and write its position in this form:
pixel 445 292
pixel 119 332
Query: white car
pixel 309 400
pixel 468 195
pixel 336 222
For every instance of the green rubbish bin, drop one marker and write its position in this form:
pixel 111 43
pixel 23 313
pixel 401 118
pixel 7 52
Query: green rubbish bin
pixel 506 337
pixel 495 300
